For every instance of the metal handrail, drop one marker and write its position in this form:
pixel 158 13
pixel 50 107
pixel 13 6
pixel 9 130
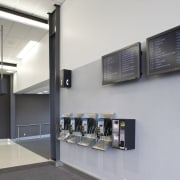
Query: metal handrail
pixel 26 125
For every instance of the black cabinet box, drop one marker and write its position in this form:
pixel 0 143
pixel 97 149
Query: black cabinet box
pixel 65 78
pixel 123 134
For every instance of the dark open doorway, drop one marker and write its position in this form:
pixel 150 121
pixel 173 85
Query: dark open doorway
pixel 5 112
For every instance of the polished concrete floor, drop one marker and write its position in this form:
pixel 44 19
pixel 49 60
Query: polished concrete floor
pixel 28 160
pixel 39 146
pixel 42 171
pixel 13 154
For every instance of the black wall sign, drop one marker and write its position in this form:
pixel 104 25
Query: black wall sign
pixel 163 52
pixel 121 65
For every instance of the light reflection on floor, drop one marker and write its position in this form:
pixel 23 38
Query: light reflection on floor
pixel 12 154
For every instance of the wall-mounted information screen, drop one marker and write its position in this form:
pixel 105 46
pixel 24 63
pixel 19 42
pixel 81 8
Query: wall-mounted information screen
pixel 163 52
pixel 122 65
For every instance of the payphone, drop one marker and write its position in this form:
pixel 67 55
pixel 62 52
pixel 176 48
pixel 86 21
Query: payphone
pixel 63 127
pixel 123 134
pixel 88 129
pixel 75 128
pixel 104 132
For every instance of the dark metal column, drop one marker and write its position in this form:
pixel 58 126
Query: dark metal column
pixel 12 111
pixel 54 65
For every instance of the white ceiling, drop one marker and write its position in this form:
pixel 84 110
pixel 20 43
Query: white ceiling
pixel 17 35
pixel 34 7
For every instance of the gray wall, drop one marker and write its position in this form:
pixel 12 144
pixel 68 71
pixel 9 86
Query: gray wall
pixel 32 109
pixel 5 113
pixel 93 28
pixel 153 102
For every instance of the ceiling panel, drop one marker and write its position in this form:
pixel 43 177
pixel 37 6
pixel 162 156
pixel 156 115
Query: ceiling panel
pixel 19 31
pixel 34 7
pixel 16 35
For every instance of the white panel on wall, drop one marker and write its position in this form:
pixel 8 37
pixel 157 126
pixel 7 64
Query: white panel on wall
pixel 34 68
pixel 91 29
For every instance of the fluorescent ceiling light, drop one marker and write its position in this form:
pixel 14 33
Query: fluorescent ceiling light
pixel 26 49
pixel 23 20
pixel 9 69
pixel 39 93
pixel 43 92
pixel 46 91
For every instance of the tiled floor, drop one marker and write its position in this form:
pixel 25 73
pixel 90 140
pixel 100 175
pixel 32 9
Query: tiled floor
pixel 12 154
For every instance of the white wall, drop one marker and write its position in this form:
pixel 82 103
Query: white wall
pixel 34 68
pixel 93 28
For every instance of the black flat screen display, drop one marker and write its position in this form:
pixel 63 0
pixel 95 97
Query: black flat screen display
pixel 122 65
pixel 163 52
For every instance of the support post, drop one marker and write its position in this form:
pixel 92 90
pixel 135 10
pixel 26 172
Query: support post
pixel 54 65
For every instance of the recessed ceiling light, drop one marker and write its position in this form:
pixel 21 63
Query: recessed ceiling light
pixel 39 93
pixel 26 49
pixel 45 91
pixel 9 71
